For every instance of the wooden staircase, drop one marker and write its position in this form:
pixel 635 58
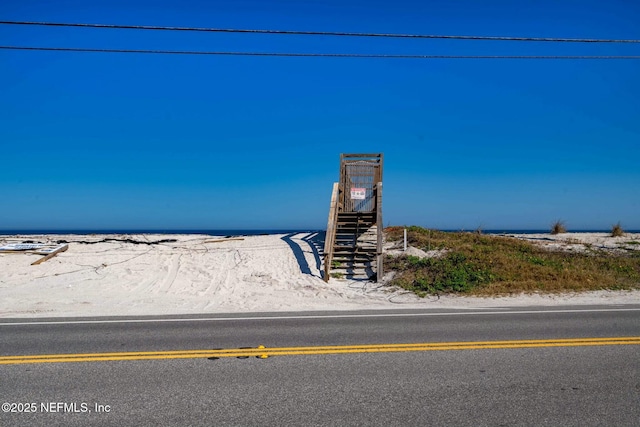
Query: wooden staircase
pixel 353 246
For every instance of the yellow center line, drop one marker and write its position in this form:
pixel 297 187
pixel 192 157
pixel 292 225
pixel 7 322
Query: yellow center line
pixel 316 350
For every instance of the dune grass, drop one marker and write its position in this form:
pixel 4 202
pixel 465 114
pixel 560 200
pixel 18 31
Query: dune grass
pixel 480 264
pixel 617 231
pixel 558 227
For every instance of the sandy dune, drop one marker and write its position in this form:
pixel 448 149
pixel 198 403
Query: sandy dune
pixel 105 275
pixel 581 242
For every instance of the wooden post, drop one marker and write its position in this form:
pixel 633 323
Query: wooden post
pixel 405 240
pixel 51 254
pixel 379 269
pixel 330 235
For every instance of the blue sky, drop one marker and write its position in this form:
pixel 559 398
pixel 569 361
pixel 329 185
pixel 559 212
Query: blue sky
pixel 126 141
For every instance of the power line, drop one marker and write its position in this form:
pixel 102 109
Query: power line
pixel 320 55
pixel 320 33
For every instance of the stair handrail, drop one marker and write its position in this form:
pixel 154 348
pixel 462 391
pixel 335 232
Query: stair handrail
pixel 379 231
pixel 330 236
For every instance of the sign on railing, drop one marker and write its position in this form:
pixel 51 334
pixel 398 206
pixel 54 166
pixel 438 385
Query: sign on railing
pixel 358 193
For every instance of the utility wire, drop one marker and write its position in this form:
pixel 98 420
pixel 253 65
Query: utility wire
pixel 321 33
pixel 320 55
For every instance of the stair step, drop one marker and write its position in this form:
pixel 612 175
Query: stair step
pixel 361 270
pixel 353 265
pixel 353 258
pixel 356 259
pixel 358 256
pixel 354 216
pixel 352 253
pixel 352 247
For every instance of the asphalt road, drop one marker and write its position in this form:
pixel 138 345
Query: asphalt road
pixel 560 385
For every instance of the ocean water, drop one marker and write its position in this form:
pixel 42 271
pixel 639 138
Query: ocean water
pixel 221 232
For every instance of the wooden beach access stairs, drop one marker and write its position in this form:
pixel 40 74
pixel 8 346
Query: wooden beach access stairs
pixel 353 242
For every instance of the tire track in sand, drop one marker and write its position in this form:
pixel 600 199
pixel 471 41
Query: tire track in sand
pixel 173 266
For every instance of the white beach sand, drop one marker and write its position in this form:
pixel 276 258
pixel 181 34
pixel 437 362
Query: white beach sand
pixel 205 274
pixel 580 242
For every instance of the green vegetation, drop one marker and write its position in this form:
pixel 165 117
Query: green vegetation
pixel 337 275
pixel 558 227
pixel 617 231
pixel 451 273
pixel 480 264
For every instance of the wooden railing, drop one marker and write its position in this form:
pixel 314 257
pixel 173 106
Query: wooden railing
pixel 364 172
pixel 330 236
pixel 379 256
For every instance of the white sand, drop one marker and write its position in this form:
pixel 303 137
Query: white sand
pixel 256 274
pixel 582 242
